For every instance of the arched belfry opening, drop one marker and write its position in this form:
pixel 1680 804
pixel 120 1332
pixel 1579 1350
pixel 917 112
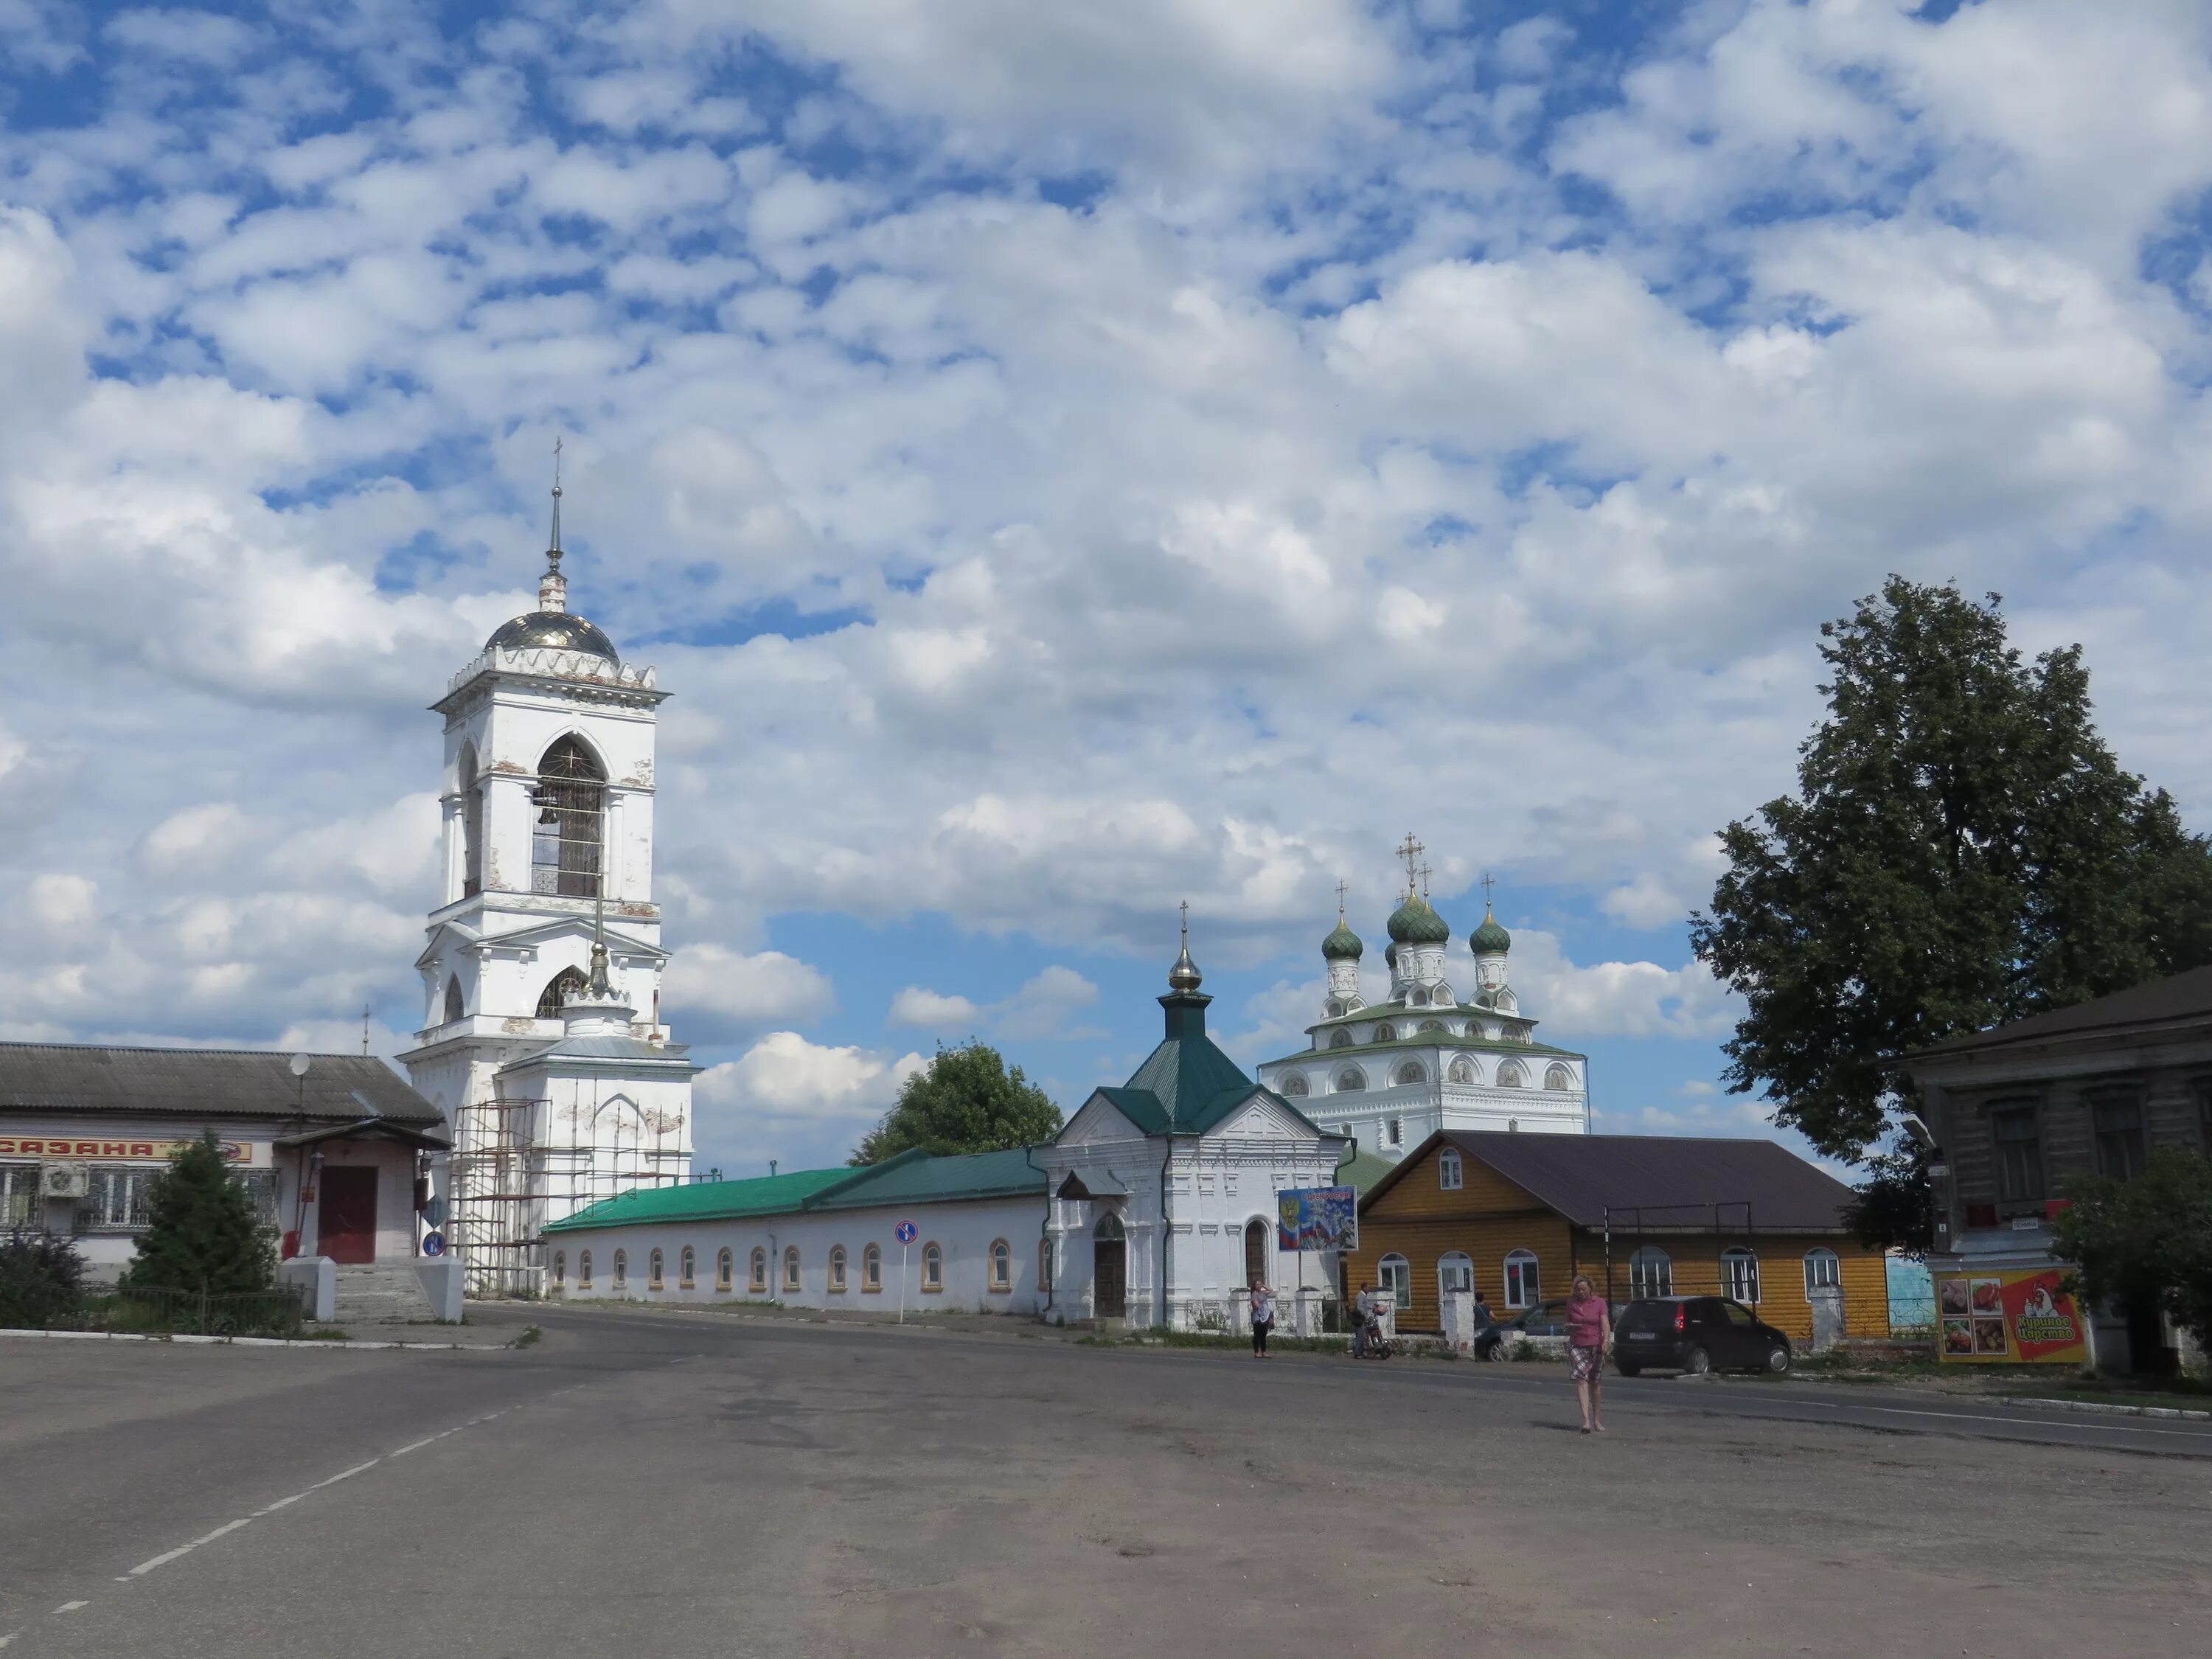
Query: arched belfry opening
pixel 568 809
pixel 558 989
pixel 472 823
pixel 455 1008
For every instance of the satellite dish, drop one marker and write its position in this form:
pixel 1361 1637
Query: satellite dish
pixel 299 1064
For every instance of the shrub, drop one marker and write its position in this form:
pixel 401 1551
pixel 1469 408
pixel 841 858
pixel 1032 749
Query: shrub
pixel 202 1235
pixel 41 1279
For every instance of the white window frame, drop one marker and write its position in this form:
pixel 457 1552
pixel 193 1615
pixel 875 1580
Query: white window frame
pixel 1451 1173
pixel 1455 1272
pixel 560 1268
pixel 1641 1280
pixel 622 1270
pixel 1524 1280
pixel 793 1265
pixel 1001 1265
pixel 726 1269
pixel 837 1267
pixel 1733 1278
pixel 756 1271
pixel 1394 1273
pixel 1824 1270
pixel 655 1261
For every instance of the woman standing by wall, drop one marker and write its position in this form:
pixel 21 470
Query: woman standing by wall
pixel 1263 1316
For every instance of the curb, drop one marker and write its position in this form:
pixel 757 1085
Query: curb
pixel 2114 1409
pixel 246 1341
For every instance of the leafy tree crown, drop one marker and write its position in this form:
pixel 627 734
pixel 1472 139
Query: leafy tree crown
pixel 965 1100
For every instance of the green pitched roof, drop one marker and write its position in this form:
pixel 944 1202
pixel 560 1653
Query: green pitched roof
pixel 915 1178
pixel 1364 1171
pixel 704 1200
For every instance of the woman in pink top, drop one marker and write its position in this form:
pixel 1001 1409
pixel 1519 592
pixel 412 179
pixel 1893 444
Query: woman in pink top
pixel 1590 1329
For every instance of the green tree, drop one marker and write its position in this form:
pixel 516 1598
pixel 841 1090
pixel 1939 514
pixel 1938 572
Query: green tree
pixel 1894 1207
pixel 41 1279
pixel 2148 1242
pixel 964 1100
pixel 202 1234
pixel 1962 849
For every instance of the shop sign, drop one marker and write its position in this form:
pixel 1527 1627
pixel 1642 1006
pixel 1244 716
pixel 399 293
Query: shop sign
pixel 2011 1318
pixel 59 1146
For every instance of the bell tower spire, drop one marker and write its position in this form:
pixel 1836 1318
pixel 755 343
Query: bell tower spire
pixel 553 587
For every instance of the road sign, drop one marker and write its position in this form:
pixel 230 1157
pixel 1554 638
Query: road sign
pixel 907 1232
pixel 433 1244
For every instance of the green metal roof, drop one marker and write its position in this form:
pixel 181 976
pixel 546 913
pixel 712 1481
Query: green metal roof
pixel 1364 1171
pixel 915 1178
pixel 704 1200
pixel 1414 922
pixel 1342 944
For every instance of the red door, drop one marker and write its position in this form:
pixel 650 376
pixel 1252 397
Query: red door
pixel 347 1227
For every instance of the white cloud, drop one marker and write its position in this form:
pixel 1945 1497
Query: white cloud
pixel 784 1074
pixel 930 1009
pixel 719 990
pixel 1617 999
pixel 62 902
pixel 1645 901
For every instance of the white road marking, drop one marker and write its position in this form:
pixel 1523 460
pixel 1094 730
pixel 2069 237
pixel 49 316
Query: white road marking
pixel 9 1636
pixel 72 1607
pixel 163 1560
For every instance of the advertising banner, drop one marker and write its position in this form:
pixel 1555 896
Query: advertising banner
pixel 2010 1318
pixel 1318 1219
pixel 114 1149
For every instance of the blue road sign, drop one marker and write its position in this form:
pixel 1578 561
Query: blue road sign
pixel 433 1244
pixel 907 1232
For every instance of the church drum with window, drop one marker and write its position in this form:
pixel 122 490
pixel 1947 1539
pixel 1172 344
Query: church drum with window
pixel 1518 1216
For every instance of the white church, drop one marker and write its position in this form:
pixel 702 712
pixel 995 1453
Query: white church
pixel 542 1040
pixel 1391 1073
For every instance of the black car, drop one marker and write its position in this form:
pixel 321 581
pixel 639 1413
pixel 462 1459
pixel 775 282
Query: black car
pixel 1696 1333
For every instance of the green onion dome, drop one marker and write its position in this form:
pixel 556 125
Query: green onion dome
pixel 1489 939
pixel 1343 945
pixel 1414 923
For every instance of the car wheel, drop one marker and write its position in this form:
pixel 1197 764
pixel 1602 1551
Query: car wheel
pixel 1777 1360
pixel 1697 1363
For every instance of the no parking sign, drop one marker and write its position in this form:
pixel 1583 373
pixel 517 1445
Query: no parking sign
pixel 906 1232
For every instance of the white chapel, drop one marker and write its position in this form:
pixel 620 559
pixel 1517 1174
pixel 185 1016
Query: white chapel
pixel 542 1039
pixel 1390 1074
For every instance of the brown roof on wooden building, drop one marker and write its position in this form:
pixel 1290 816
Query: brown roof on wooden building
pixel 1675 1180
pixel 2172 1000
pixel 205 1083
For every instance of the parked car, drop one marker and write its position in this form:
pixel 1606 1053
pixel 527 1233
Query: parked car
pixel 1544 1319
pixel 1696 1333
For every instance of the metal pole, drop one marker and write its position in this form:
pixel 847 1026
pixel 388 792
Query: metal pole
pixel 902 1318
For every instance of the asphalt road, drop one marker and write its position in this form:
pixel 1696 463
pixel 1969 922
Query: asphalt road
pixel 640 1485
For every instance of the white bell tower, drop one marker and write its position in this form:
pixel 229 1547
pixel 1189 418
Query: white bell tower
pixel 548 850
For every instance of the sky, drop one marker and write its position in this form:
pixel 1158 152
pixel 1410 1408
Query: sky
pixel 1063 461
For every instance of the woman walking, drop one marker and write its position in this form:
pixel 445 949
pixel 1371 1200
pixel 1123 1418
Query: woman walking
pixel 1263 1316
pixel 1590 1331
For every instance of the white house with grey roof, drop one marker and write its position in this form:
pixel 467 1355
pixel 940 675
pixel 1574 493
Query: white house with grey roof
pixel 1449 1049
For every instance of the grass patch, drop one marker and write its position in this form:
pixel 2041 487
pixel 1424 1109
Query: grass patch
pixel 530 1338
pixel 321 1335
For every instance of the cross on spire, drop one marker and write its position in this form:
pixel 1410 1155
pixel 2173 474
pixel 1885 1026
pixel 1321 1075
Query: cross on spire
pixel 1489 882
pixel 1186 924
pixel 1411 851
pixel 1341 888
pixel 553 552
pixel 1425 873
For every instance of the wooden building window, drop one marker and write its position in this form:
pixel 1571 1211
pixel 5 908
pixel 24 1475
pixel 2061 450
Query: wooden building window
pixel 1824 1271
pixel 933 1267
pixel 836 1267
pixel 1455 1272
pixel 1395 1276
pixel 653 1272
pixel 1452 1174
pixel 687 1264
pixel 622 1270
pixel 1523 1286
pixel 726 1269
pixel 1650 1273
pixel 584 1271
pixel 758 1281
pixel 2019 1142
pixel 1740 1275
pixel 2117 1123
pixel 791 1268
pixel 1002 1265
pixel 872 1269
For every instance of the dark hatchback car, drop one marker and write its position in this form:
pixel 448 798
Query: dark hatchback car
pixel 1696 1333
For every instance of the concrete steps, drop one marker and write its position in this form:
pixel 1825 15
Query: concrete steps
pixel 378 1296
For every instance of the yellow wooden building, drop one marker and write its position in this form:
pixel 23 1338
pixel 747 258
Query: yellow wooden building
pixel 1517 1216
